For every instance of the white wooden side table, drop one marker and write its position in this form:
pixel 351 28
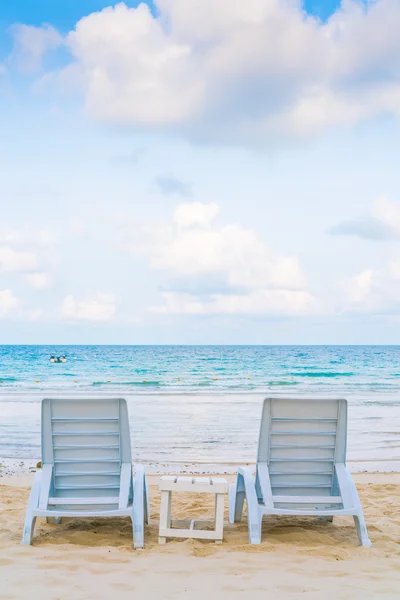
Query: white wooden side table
pixel 187 528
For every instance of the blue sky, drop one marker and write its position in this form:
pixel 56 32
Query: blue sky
pixel 64 14
pixel 229 178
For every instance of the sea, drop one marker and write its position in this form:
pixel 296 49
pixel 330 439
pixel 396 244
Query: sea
pixel 202 404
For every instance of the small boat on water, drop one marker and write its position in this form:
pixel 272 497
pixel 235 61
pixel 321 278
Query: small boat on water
pixel 58 359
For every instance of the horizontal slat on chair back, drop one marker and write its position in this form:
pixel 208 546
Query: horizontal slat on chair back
pixel 85 448
pixel 298 440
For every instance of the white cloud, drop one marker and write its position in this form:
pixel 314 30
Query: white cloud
pixel 223 269
pixel 272 302
pixel 360 286
pixel 25 250
pixel 375 290
pixel 195 213
pixel 31 44
pixel 239 71
pixel 388 213
pixel 194 246
pixel 31 236
pixel 383 222
pixel 13 307
pixel 33 314
pixel 39 280
pixel 13 260
pixel 8 302
pixel 100 308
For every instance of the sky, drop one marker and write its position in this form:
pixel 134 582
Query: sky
pixel 200 172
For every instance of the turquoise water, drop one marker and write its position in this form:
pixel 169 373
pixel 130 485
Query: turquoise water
pixel 203 402
pixel 357 370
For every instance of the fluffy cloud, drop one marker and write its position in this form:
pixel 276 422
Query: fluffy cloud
pixel 31 44
pixel 100 308
pixel 383 223
pixel 8 302
pixel 195 213
pixel 375 291
pixel 194 246
pixel 271 302
pixel 238 71
pixel 214 268
pixel 39 280
pixel 25 250
pixel 33 314
pixel 26 236
pixel 13 307
pixel 14 260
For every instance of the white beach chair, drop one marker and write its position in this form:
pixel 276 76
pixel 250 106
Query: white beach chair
pixel 87 466
pixel 301 466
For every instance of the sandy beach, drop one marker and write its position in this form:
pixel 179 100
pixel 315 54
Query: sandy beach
pixel 93 558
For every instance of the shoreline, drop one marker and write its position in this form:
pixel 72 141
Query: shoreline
pixel 172 432
pixel 22 467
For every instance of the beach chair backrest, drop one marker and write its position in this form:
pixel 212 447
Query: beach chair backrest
pixel 300 440
pixel 86 441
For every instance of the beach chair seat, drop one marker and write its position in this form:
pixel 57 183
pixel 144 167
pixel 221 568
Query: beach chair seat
pixel 87 466
pixel 301 466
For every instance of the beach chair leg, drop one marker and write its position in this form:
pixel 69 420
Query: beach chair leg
pixel 138 535
pixel 138 529
pixel 33 503
pixel 29 528
pixel 236 500
pixel 254 521
pixel 351 499
pixel 254 515
pixel 146 500
pixel 361 528
pixel 138 509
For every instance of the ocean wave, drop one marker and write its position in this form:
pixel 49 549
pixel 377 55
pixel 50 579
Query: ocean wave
pixel 64 374
pixel 127 383
pixel 323 374
pixel 279 383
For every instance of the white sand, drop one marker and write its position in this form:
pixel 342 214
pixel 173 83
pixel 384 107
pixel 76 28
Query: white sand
pixel 298 558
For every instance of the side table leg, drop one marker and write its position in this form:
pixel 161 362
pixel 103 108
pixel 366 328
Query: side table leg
pixel 219 516
pixel 165 514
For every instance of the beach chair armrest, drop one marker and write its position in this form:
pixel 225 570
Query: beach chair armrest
pixel 45 485
pixel 347 488
pixel 263 483
pixel 125 485
pixel 246 475
pixel 34 495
